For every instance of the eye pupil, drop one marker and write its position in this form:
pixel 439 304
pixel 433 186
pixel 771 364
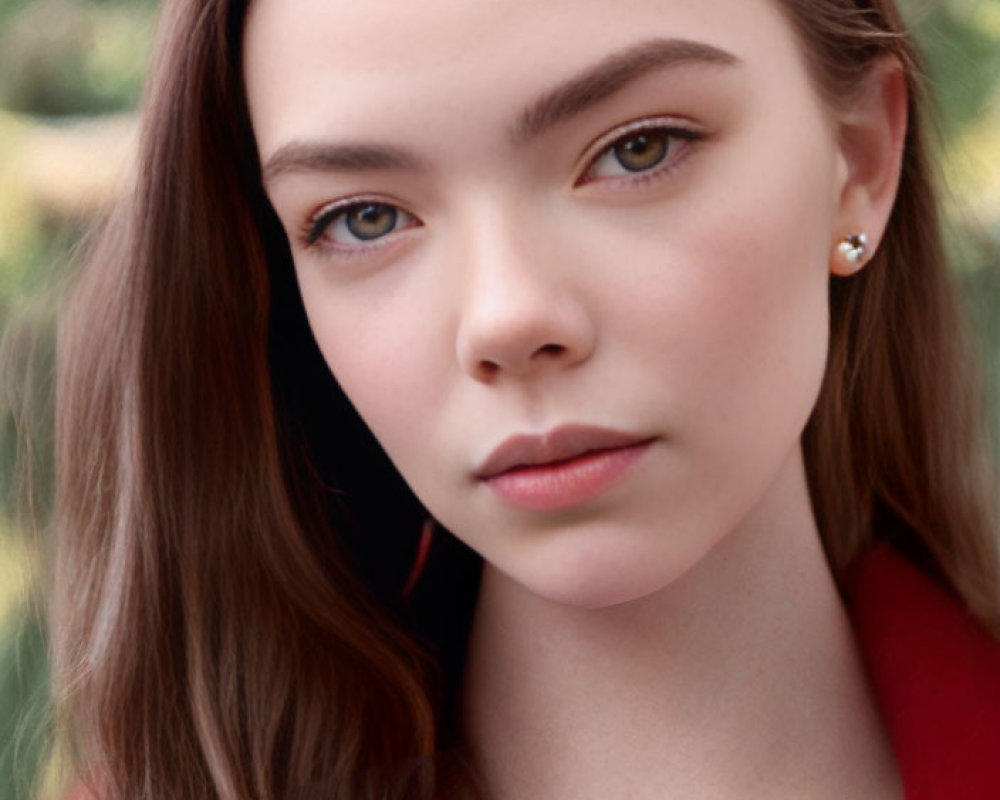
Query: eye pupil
pixel 371 220
pixel 642 151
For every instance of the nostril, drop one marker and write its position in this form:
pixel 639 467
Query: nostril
pixel 488 368
pixel 551 350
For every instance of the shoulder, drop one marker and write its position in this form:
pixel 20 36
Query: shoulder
pixel 935 672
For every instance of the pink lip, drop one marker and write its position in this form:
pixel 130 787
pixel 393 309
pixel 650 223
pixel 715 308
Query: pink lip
pixel 567 466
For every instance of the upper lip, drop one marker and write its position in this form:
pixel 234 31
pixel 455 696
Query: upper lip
pixel 559 444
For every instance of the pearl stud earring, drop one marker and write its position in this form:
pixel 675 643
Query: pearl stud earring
pixel 853 248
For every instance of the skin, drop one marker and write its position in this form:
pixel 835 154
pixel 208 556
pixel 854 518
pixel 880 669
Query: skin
pixel 679 633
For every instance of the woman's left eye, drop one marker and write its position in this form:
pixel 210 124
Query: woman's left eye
pixel 642 150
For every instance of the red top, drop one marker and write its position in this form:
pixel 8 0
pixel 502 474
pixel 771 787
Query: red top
pixel 935 672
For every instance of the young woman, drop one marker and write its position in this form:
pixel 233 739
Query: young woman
pixel 638 308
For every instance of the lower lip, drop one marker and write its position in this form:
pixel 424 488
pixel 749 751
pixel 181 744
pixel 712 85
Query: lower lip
pixel 549 487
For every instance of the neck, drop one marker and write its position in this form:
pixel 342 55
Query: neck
pixel 740 679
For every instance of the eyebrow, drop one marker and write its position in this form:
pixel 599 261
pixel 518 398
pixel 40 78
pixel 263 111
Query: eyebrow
pixel 609 76
pixel 588 88
pixel 329 157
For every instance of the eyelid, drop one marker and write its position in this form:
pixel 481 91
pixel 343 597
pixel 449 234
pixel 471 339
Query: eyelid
pixel 679 127
pixel 319 220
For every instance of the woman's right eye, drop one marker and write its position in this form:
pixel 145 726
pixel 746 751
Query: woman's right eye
pixel 357 224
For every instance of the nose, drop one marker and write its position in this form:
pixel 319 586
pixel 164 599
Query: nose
pixel 522 312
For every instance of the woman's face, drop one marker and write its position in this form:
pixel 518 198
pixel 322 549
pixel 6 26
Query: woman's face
pixel 597 231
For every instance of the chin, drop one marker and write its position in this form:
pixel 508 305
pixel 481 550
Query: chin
pixel 594 577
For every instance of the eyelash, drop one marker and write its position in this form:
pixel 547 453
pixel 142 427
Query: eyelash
pixel 321 221
pixel 324 218
pixel 670 128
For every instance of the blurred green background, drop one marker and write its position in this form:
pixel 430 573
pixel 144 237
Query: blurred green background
pixel 71 72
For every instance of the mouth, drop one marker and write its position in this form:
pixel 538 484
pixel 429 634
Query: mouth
pixel 565 467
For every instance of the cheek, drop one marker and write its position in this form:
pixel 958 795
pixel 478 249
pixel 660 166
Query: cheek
pixel 764 302
pixel 770 297
pixel 730 308
pixel 765 325
pixel 384 346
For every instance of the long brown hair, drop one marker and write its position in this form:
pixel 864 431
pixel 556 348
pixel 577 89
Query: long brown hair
pixel 231 540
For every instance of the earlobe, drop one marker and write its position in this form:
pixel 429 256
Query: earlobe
pixel 871 135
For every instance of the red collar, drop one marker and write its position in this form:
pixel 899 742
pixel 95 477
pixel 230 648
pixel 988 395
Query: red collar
pixel 935 672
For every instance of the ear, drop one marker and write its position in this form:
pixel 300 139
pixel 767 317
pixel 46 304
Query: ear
pixel 871 134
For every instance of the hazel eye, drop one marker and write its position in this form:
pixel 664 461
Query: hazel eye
pixel 640 151
pixel 371 221
pixel 358 223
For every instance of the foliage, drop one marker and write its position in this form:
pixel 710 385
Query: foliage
pixel 961 45
pixel 61 57
pixel 25 727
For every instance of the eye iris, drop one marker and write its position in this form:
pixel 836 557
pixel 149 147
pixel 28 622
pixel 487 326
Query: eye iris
pixel 371 220
pixel 642 151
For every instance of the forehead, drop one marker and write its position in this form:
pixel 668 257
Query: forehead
pixel 351 66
